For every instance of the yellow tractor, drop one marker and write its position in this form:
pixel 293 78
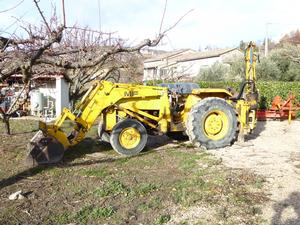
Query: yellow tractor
pixel 211 118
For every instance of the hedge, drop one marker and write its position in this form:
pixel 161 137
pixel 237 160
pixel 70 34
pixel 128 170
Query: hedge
pixel 267 89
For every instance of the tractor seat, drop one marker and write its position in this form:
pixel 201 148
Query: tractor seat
pixel 180 88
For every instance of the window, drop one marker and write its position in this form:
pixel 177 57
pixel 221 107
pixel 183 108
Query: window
pixel 163 72
pixel 154 71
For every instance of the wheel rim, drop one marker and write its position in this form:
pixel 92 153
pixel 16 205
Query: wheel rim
pixel 216 125
pixel 129 138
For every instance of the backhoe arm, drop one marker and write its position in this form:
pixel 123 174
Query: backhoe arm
pixel 247 100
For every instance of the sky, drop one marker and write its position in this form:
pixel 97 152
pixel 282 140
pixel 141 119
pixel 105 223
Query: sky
pixel 215 23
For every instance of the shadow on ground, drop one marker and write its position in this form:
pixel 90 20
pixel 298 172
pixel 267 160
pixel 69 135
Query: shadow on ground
pixel 260 127
pixel 86 147
pixel 287 212
pixel 156 142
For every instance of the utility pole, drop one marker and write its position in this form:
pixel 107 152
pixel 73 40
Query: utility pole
pixel 267 40
pixel 63 11
pixel 267 33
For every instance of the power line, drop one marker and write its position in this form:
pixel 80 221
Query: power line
pixel 13 7
pixel 170 42
pixel 13 23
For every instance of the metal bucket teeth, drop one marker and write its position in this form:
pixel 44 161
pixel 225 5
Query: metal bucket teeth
pixel 44 150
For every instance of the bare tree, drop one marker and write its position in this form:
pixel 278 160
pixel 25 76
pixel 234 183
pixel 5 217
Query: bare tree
pixel 19 56
pixel 80 55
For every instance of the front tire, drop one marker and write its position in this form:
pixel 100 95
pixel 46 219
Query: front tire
pixel 212 123
pixel 128 137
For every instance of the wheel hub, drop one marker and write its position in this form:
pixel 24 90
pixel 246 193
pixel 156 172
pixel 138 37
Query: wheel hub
pixel 129 138
pixel 216 125
pixel 213 124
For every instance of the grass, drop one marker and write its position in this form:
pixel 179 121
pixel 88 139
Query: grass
pixel 19 126
pixel 162 219
pixel 146 188
pixel 95 172
pixel 115 187
pixel 85 215
pixel 196 187
pixel 61 219
pixel 111 188
pixel 131 190
pixel 152 203
pixel 190 161
pixel 259 182
pixel 91 213
pixel 188 191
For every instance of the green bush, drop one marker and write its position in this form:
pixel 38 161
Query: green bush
pixel 267 89
pixel 216 72
pixel 267 70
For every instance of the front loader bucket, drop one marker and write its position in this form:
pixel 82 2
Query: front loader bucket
pixel 44 150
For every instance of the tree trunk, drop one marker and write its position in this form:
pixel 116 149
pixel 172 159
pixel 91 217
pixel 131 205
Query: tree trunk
pixel 7 124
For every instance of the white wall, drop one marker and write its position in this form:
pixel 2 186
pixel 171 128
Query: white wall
pixel 48 92
pixel 149 74
pixel 183 69
pixel 186 68
pixel 232 55
pixel 192 68
pixel 62 95
pixel 48 88
pixel 168 62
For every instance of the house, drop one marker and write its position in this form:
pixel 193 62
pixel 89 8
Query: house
pixel 162 66
pixel 48 96
pixel 186 63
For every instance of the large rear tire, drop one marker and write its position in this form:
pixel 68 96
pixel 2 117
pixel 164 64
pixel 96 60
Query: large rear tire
pixel 128 137
pixel 212 123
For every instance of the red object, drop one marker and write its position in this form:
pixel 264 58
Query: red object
pixel 280 109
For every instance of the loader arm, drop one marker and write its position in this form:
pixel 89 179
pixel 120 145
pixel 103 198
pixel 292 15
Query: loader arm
pixel 84 115
pixel 101 96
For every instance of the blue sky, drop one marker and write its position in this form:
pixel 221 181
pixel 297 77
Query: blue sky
pixel 217 23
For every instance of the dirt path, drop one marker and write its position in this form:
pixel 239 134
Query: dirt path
pixel 273 151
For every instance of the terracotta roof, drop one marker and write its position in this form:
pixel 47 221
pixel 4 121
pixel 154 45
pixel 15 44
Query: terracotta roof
pixel 38 76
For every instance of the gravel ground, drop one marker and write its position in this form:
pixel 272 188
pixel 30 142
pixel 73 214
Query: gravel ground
pixel 273 151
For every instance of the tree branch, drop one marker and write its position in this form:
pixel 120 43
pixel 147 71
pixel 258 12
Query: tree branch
pixel 42 15
pixel 10 110
pixel 178 21
pixel 163 16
